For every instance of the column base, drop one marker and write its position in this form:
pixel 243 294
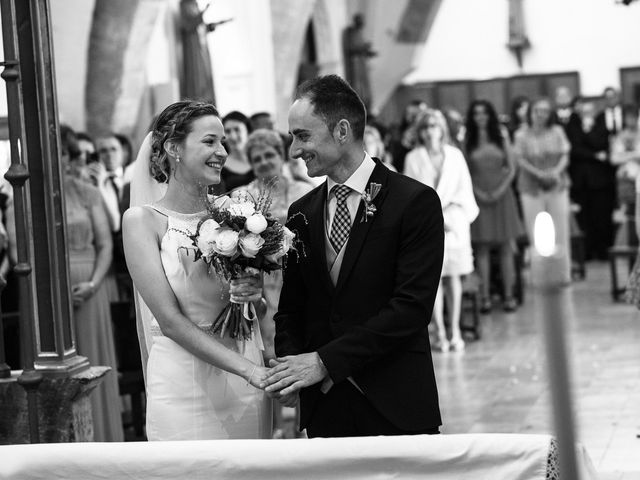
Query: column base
pixel 64 409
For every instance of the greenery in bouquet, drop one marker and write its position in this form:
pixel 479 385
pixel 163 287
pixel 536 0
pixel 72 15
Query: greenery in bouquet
pixel 239 236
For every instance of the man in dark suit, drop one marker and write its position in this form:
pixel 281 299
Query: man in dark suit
pixel 351 327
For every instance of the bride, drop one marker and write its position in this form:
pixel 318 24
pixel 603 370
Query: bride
pixel 198 386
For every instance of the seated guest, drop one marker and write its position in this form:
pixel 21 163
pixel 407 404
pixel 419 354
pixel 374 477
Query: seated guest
pixel 90 250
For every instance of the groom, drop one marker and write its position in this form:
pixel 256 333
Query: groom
pixel 351 328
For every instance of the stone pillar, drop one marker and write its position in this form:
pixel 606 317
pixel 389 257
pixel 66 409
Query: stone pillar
pixel 64 408
pixel 54 377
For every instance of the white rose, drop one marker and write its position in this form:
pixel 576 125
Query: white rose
pixel 256 223
pixel 250 244
pixel 226 242
pixel 244 209
pixel 207 235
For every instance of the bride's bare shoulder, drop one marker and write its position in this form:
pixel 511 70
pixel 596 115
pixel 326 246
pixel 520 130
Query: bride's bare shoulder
pixel 139 218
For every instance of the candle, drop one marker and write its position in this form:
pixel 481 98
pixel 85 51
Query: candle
pixel 549 275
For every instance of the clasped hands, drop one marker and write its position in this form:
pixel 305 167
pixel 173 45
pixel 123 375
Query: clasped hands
pixel 288 375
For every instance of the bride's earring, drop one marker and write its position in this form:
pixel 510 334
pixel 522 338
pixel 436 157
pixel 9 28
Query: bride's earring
pixel 177 158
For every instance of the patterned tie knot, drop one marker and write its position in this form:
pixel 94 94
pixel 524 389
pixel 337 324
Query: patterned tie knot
pixel 341 192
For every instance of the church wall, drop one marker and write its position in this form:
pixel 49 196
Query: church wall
pixel 593 37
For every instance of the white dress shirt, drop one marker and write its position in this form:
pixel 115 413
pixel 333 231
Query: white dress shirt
pixel 613 118
pixel 112 197
pixel 358 183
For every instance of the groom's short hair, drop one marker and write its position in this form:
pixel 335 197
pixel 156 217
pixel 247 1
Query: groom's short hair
pixel 333 99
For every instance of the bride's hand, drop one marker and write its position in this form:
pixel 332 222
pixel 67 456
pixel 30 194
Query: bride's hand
pixel 246 288
pixel 258 376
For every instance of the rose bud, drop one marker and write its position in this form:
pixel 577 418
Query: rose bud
pixel 256 223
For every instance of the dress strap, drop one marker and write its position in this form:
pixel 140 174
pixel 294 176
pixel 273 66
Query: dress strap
pixel 158 208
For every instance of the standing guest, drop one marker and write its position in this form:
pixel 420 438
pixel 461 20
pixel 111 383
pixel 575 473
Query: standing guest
pixel 563 107
pixel 492 170
pixel 127 156
pixel 262 120
pixel 632 295
pixel 374 146
pixel 237 171
pixel 108 175
pixel 625 153
pixel 403 137
pixel 90 247
pixel 456 126
pixel 441 166
pixel 542 152
pixel 592 179
pixel 351 327
pixel 518 114
pixel 87 148
pixel 610 119
pixel 266 154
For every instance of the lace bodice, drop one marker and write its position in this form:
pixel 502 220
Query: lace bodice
pixel 201 295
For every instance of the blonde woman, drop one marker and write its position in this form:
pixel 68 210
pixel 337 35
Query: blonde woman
pixel 438 164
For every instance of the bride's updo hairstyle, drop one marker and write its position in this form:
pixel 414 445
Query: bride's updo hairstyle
pixel 174 123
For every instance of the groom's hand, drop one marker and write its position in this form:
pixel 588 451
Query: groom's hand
pixel 289 374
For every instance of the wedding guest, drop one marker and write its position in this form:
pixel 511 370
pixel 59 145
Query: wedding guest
pixel 625 153
pixel 456 126
pixel 108 175
pixel 541 150
pixel 374 146
pixel 403 137
pixel 518 115
pixel 492 170
pixel 563 108
pixel 610 119
pixel 632 294
pixel 90 250
pixel 87 148
pixel 237 171
pixel 261 120
pixel 438 164
pixel 266 154
pixel 127 156
pixel 592 179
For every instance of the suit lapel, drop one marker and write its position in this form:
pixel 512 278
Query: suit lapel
pixel 359 228
pixel 317 231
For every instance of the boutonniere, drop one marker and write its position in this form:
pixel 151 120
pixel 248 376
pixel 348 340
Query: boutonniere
pixel 367 197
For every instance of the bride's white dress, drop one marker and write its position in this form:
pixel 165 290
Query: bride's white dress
pixel 187 398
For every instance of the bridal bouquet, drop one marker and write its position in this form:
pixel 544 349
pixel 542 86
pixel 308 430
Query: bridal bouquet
pixel 239 236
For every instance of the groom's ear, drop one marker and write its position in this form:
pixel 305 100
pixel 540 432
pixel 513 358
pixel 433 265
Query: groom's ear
pixel 342 131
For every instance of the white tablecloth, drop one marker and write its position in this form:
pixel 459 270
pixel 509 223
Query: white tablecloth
pixel 462 457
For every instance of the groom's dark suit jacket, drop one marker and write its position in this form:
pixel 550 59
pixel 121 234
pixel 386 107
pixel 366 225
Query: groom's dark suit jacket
pixel 371 326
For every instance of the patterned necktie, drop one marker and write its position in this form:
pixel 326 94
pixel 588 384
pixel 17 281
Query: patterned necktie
pixel 341 224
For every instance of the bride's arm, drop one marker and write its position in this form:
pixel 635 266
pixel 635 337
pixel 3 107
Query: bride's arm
pixel 141 240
